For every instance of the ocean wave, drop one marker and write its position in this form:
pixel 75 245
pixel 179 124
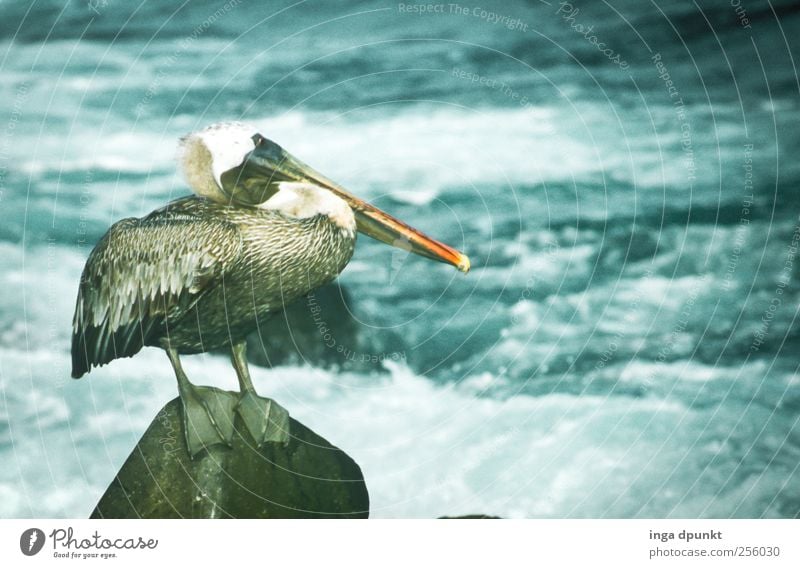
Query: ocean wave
pixel 425 450
pixel 405 151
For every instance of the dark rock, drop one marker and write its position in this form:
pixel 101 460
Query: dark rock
pixel 305 478
pixel 478 516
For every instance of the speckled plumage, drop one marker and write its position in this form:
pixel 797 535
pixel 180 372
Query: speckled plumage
pixel 198 275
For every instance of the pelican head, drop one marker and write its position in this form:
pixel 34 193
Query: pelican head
pixel 233 163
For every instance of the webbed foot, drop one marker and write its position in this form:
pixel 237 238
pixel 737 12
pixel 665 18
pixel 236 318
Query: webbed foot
pixel 207 417
pixel 265 419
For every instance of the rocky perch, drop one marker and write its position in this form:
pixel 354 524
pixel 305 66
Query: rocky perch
pixel 306 477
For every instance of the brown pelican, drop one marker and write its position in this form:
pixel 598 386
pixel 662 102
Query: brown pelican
pixel 199 273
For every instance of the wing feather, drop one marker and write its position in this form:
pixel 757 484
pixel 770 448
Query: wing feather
pixel 142 273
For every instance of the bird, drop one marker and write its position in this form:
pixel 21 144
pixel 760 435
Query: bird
pixel 260 229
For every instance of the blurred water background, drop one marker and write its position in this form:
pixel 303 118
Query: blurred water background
pixel 624 176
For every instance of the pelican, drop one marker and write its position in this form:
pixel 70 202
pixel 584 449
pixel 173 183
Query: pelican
pixel 261 230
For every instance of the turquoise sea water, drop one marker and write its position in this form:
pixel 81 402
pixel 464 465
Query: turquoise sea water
pixel 626 343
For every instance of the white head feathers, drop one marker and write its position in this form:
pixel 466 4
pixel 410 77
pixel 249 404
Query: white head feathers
pixel 210 152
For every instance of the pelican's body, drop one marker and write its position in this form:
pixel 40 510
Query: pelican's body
pixel 205 273
pixel 198 274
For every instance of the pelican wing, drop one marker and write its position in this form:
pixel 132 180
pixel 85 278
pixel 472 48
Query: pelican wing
pixel 143 274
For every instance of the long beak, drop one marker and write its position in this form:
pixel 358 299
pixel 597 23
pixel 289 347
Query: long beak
pixel 258 178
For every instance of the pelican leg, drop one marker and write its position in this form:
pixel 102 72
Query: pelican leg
pixel 264 418
pixel 207 412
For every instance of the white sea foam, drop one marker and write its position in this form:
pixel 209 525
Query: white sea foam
pixel 425 450
pixel 443 146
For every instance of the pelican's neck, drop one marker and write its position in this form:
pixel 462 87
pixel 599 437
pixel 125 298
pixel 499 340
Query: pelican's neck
pixel 304 200
pixel 198 169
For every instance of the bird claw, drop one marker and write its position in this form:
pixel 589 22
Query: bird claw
pixel 265 419
pixel 208 418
